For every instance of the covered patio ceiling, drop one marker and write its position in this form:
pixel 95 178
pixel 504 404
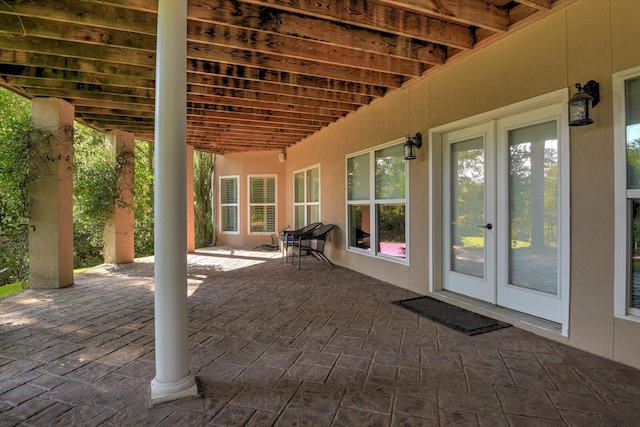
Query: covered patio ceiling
pixel 262 74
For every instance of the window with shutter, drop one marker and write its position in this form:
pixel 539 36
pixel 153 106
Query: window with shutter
pixel 229 206
pixel 262 204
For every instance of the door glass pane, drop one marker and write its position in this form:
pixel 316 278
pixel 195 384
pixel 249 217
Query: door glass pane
pixel 533 207
pixel 313 212
pixel 313 185
pixel 299 217
pixel 634 290
pixel 298 184
pixel 467 207
pixel 632 98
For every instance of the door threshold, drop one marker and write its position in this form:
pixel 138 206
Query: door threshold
pixel 521 320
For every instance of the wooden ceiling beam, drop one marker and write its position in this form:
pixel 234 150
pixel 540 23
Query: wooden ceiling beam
pixel 88 13
pixel 228 55
pixel 355 13
pixel 227 139
pixel 267 107
pixel 72 49
pixel 468 12
pixel 253 18
pixel 247 134
pixel 269 126
pixel 74 76
pixel 263 112
pixel 252 115
pixel 42 61
pixel 72 31
pixel 304 49
pixel 232 83
pixel 216 119
pixel 72 88
pixel 536 4
pixel 283 77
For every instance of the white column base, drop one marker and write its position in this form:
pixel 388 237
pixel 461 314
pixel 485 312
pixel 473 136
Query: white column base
pixel 165 392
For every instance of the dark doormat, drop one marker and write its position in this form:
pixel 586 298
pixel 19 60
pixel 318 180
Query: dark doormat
pixel 465 321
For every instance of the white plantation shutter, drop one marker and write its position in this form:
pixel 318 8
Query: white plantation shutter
pixel 229 204
pixel 262 204
pixel 229 190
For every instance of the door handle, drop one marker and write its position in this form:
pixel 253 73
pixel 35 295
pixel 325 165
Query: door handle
pixel 488 226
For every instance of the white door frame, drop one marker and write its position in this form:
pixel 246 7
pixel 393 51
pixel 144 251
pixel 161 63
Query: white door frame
pixel 436 190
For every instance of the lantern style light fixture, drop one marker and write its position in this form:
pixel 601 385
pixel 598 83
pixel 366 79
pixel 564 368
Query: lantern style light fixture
pixel 579 103
pixel 413 142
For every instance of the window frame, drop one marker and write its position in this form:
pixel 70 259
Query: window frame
pixel 623 199
pixel 306 203
pixel 223 205
pixel 373 203
pixel 251 204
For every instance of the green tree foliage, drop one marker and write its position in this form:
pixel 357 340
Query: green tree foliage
pixel 143 199
pixel 15 174
pixel 203 164
pixel 95 193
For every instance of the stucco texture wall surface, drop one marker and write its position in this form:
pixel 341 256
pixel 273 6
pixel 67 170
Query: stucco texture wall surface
pixel 589 39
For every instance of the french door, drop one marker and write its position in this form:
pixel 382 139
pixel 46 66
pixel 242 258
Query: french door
pixel 502 213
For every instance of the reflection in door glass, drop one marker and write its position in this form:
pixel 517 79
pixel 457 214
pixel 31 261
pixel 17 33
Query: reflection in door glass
pixel 634 291
pixel 533 207
pixel 467 207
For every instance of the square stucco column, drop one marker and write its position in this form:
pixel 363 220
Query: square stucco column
pixel 51 194
pixel 118 231
pixel 191 231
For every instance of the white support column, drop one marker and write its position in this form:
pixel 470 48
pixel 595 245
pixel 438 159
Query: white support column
pixel 173 379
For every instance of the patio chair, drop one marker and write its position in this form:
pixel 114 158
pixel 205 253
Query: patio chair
pixel 313 243
pixel 288 237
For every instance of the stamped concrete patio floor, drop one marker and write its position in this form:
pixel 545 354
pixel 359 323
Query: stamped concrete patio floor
pixel 271 345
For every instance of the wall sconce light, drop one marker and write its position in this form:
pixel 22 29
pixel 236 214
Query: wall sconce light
pixel 282 156
pixel 579 103
pixel 413 142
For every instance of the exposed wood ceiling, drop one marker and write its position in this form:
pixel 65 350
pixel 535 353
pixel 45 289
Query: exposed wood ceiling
pixel 262 74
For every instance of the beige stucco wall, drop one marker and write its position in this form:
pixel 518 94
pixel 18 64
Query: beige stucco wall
pixel 589 39
pixel 245 164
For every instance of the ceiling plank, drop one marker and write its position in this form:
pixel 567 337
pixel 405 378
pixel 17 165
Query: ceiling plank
pixel 283 77
pixel 45 60
pixel 281 63
pixel 372 15
pixel 468 12
pixel 72 49
pixel 87 13
pixel 294 47
pixel 536 4
pixel 256 17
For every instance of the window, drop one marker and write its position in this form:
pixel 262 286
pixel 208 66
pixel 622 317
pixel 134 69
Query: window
pixel 262 204
pixel 229 204
pixel 376 202
pixel 627 182
pixel 306 196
